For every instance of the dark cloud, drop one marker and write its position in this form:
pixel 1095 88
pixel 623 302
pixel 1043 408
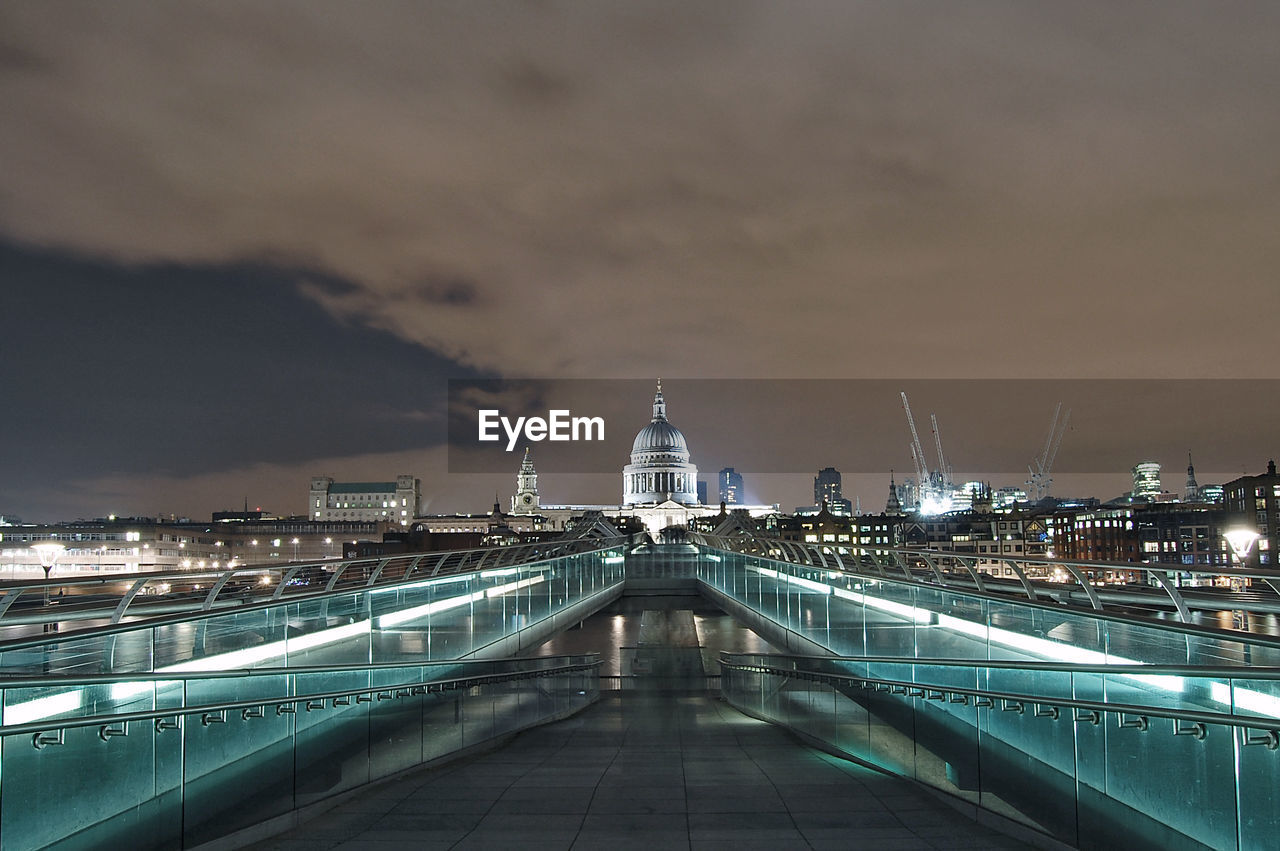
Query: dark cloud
pixel 181 370
pixel 444 290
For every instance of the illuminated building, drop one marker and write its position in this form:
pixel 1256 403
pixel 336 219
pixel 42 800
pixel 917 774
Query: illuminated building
pixel 1146 480
pixel 1178 534
pixel 377 502
pixel 828 490
pixel 660 489
pixel 525 500
pixel 1255 501
pixel 660 469
pixel 731 489
pixel 1008 497
pixel 137 544
pixel 1101 534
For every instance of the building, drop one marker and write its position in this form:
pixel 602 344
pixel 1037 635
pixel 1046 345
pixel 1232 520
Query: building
pixel 138 544
pixel 372 502
pixel 660 490
pixel 1191 492
pixel 1146 480
pixel 1184 535
pixel 839 533
pixel 828 490
pixel 660 470
pixel 893 506
pixel 1007 498
pixel 1212 494
pixel 731 489
pixel 1254 501
pixel 525 500
pixel 1106 533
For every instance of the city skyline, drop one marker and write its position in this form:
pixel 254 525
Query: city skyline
pixel 246 244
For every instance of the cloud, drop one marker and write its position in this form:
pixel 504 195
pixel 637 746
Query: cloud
pixel 178 370
pixel 717 189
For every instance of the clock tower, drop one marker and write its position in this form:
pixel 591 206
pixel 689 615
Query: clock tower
pixel 525 500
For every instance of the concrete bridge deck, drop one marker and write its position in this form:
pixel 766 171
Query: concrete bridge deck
pixel 651 770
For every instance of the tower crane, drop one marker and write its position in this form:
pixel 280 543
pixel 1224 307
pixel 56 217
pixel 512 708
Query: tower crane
pixel 1040 479
pixel 944 469
pixel 917 452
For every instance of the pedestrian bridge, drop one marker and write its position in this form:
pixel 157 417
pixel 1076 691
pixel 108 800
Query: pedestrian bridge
pixel 1091 714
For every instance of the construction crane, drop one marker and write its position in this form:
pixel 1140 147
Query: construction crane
pixel 944 469
pixel 917 452
pixel 1038 484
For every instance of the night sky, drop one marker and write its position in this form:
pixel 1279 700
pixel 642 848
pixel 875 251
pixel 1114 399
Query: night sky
pixel 244 243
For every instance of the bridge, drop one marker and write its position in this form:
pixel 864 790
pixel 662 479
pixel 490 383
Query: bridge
pixel 185 710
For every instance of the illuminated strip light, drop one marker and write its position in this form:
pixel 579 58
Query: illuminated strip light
pixel 247 656
pixel 444 580
pixel 514 586
pixel 70 701
pixel 43 707
pixel 911 613
pixel 615 559
pixel 1246 700
pixel 819 587
pixel 1052 650
pixel 397 618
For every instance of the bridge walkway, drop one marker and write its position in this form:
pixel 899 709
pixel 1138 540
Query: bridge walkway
pixel 648 767
pixel 644 769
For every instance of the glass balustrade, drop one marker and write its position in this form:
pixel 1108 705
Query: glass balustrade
pixel 164 763
pixel 431 619
pixel 1095 759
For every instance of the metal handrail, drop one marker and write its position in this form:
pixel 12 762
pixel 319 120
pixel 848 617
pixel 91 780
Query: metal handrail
pixel 116 624
pixel 1237 672
pixel 52 724
pixel 55 680
pixel 944 693
pixel 533 552
pixel 812 556
pixel 1206 570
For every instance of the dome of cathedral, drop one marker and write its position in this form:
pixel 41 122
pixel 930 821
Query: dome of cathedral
pixel 660 436
pixel 660 469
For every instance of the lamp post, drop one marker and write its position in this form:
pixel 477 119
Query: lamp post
pixel 295 548
pixel 1241 540
pixel 48 553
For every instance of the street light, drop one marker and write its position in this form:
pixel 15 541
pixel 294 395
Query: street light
pixel 48 553
pixel 295 548
pixel 1241 540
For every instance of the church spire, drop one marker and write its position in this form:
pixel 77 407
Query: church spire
pixel 893 505
pixel 659 404
pixel 1193 488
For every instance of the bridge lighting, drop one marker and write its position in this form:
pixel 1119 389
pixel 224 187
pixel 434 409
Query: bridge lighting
pixel 48 552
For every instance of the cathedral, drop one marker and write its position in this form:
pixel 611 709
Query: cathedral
pixel 660 469
pixel 659 486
